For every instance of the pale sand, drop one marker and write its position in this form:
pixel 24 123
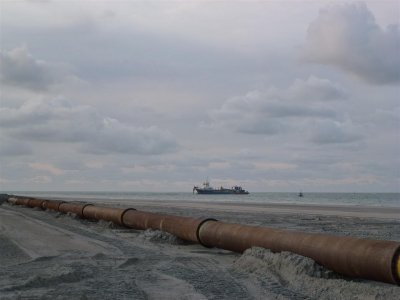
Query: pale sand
pixel 51 255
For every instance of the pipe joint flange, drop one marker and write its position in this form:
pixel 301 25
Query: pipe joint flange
pixel 44 204
pixel 396 266
pixel 83 207
pixel 198 231
pixel 121 218
pixel 58 206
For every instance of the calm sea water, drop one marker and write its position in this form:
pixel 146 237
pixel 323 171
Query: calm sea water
pixel 364 199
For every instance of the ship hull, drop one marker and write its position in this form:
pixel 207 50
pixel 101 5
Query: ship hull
pixel 221 192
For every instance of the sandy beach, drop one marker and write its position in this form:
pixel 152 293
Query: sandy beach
pixel 46 254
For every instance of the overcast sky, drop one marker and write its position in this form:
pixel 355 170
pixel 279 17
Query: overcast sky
pixel 159 95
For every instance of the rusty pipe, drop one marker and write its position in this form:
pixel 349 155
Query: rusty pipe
pixel 71 207
pixel 26 201
pixel 114 215
pixel 22 201
pixel 350 256
pixel 35 202
pixel 52 204
pixel 182 227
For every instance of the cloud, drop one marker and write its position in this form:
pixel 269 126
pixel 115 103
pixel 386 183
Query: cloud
pixel 30 112
pixel 274 166
pixel 332 132
pixel 273 111
pixel 19 68
pixel 347 36
pixel 117 137
pixel 11 147
pixel 47 168
pixel 171 71
pixel 316 89
pixel 59 121
pixel 40 180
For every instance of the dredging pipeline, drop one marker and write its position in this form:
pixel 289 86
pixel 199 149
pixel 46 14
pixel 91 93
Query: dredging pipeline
pixel 350 256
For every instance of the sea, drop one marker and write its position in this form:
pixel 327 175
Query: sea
pixel 352 199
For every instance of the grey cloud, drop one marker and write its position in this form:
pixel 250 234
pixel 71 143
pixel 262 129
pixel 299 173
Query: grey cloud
pixel 116 137
pixel 142 58
pixel 64 122
pixel 260 125
pixel 55 120
pixel 347 36
pixel 19 68
pixel 281 109
pixel 387 119
pixel 39 1
pixel 29 112
pixel 275 110
pixel 109 55
pixel 10 147
pixel 330 132
pixel 316 89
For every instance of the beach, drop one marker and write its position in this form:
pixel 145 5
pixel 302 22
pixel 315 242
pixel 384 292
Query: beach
pixel 47 254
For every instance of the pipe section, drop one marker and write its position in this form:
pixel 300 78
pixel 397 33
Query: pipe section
pixel 105 213
pixel 34 202
pixel 22 201
pixel 354 257
pixel 52 204
pixel 182 227
pixel 71 207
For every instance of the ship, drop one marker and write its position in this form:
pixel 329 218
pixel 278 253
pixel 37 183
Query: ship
pixel 207 189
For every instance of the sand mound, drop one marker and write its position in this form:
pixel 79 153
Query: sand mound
pixel 157 236
pixel 292 265
pixel 300 275
pixel 108 224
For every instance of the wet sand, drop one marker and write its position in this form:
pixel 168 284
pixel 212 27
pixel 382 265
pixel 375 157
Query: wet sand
pixel 54 255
